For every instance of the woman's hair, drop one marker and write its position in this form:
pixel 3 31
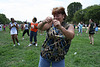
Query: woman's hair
pixel 91 20
pixel 35 19
pixel 59 10
pixel 12 18
pixel 25 22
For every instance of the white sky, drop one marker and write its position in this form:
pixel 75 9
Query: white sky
pixel 27 9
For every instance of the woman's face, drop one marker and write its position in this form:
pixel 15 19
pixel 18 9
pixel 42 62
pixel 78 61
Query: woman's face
pixel 33 20
pixel 59 17
pixel 12 20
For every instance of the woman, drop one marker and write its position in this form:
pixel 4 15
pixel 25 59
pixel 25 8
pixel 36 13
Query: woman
pixel 33 31
pixel 13 31
pixel 80 28
pixel 58 39
pixel 91 29
pixel 26 29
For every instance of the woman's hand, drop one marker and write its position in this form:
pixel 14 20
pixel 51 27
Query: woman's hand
pixel 48 20
pixel 45 24
pixel 57 24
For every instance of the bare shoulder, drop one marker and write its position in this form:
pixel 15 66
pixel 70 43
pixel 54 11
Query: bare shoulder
pixel 71 27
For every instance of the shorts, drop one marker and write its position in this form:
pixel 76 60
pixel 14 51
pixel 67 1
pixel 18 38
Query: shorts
pixel 91 32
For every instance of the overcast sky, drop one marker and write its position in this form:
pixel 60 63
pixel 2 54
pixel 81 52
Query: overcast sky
pixel 27 9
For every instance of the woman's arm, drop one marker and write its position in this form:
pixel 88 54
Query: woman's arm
pixel 88 28
pixel 68 33
pixel 16 26
pixel 9 26
pixel 45 24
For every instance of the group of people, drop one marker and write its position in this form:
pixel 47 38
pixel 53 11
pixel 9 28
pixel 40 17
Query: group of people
pixel 92 28
pixel 13 26
pixel 58 38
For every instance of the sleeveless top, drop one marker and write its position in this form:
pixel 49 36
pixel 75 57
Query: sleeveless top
pixel 92 29
pixel 26 26
pixel 56 45
pixel 34 29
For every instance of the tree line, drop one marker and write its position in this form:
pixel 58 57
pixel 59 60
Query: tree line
pixel 76 14
pixel 5 20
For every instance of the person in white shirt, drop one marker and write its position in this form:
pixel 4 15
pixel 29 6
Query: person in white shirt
pixel 13 30
pixel 26 29
pixel 80 25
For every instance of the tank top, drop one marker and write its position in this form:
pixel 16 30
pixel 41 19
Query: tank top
pixel 92 27
pixel 34 28
pixel 26 26
pixel 56 46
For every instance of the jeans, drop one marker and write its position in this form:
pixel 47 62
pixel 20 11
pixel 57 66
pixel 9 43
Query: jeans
pixel 32 33
pixel 46 63
pixel 80 31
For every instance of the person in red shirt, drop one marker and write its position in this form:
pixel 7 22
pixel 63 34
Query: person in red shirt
pixel 4 27
pixel 33 32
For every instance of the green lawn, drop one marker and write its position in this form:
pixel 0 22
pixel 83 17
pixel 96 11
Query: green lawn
pixel 87 55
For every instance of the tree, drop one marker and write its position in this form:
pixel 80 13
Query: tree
pixel 3 19
pixel 91 12
pixel 19 22
pixel 72 8
pixel 79 16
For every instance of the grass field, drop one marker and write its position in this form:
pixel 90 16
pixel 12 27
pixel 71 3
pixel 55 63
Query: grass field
pixel 87 55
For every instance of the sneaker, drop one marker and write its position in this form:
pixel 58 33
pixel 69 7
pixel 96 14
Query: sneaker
pixel 36 44
pixel 18 43
pixel 14 45
pixel 29 44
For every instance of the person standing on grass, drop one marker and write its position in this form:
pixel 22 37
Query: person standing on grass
pixel 22 27
pixel 58 39
pixel 13 30
pixel 80 28
pixel 4 27
pixel 33 32
pixel 91 29
pixel 26 29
